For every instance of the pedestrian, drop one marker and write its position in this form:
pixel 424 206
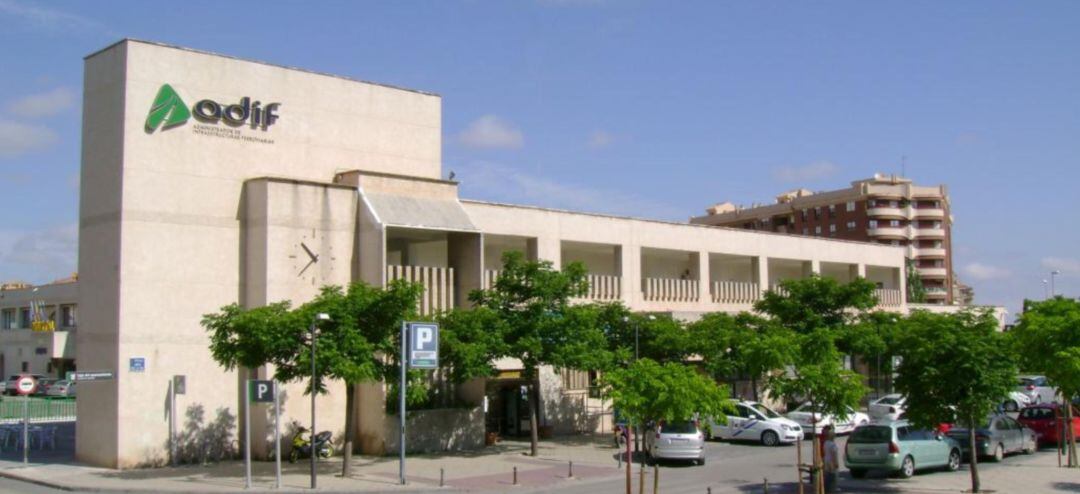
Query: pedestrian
pixel 830 458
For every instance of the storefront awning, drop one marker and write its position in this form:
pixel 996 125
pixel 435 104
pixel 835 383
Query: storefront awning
pixel 419 212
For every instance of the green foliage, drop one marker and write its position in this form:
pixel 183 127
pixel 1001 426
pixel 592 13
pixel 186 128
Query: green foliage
pixel 658 336
pixel 1047 341
pixel 740 345
pixel 469 343
pixel 955 366
pixel 916 293
pixel 251 338
pixel 646 391
pixel 810 304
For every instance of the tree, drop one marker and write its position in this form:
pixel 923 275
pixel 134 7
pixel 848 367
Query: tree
pixel 363 324
pixel 916 293
pixel 631 335
pixel 954 366
pixel 469 343
pixel 741 345
pixel 1047 341
pixel 816 313
pixel 873 338
pixel 646 391
pixel 539 327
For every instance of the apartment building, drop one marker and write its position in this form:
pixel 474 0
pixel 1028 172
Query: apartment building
pixel 37 324
pixel 884 209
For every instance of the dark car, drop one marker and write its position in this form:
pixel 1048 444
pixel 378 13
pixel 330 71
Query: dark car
pixel 1046 421
pixel 998 436
pixel 11 389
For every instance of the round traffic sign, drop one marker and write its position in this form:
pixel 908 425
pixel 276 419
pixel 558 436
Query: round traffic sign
pixel 25 385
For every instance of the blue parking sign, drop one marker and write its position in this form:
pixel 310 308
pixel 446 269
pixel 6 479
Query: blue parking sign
pixel 137 364
pixel 423 345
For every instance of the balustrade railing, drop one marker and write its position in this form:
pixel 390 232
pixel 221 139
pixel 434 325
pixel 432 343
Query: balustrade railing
pixel 438 285
pixel 735 292
pixel 604 287
pixel 670 290
pixel 888 297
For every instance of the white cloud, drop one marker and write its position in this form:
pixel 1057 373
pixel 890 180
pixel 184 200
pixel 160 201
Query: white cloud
pixel 495 182
pixel 41 255
pixel 984 272
pixel 491 132
pixel 17 138
pixel 43 104
pixel 806 173
pixel 46 18
pixel 1063 264
pixel 600 139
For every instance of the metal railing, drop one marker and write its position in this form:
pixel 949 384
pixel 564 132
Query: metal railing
pixel 40 410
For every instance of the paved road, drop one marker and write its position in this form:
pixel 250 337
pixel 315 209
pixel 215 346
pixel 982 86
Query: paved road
pixel 9 486
pixel 742 468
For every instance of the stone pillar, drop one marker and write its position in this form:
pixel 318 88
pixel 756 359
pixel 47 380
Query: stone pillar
pixel 465 252
pixel 701 263
pixel 760 267
pixel 628 258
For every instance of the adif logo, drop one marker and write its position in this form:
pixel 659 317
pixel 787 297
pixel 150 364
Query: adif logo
pixel 169 109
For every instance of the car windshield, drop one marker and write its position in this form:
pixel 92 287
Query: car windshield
pixel 679 428
pixel 1037 413
pixel 808 407
pixel 871 434
pixel 889 400
pixel 764 410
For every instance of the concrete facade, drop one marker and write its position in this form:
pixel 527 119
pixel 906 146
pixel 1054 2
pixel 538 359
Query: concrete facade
pixel 49 348
pixel 178 220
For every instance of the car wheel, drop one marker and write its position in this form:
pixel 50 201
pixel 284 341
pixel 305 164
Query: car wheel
pixel 1030 449
pixel 999 454
pixel 858 473
pixel 1011 406
pixel 954 461
pixel 907 468
pixel 770 438
pixel 701 461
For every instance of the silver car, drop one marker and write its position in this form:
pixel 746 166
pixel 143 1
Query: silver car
pixel 675 441
pixel 1036 388
pixel 998 436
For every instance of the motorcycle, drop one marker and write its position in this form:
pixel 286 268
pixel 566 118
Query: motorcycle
pixel 301 447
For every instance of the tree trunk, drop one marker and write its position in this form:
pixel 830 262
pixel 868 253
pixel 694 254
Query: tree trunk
pixel 974 455
pixel 629 459
pixel 350 400
pixel 641 467
pixel 656 477
pixel 753 385
pixel 534 412
pixel 1070 434
pixel 819 481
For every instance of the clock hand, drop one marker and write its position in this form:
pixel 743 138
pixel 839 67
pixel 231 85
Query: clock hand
pixel 308 265
pixel 314 258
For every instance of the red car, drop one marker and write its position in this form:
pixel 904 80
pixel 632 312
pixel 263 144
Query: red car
pixel 1043 419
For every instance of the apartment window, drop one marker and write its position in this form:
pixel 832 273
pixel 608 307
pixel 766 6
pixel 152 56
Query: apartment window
pixel 850 206
pixel 873 224
pixel 872 203
pixel 851 225
pixel 832 210
pixel 832 228
pixel 894 204
pixel 817 230
pixel 938 263
pixel 894 223
pixel 817 212
pixel 24 317
pixel 7 319
pixel 803 214
pixel 67 316
pixel 937 244
pixel 805 231
pixel 936 225
pixel 896 243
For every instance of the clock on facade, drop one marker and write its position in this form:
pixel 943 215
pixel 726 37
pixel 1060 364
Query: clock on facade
pixel 313 257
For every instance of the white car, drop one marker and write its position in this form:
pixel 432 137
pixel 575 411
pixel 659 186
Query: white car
pixel 1036 388
pixel 1018 400
pixel 752 421
pixel 63 388
pixel 887 408
pixel 805 415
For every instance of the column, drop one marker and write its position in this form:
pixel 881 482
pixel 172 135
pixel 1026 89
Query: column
pixel 760 266
pixel 704 281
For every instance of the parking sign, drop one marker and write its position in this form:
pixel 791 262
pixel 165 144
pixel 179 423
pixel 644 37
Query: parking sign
pixel 423 345
pixel 262 391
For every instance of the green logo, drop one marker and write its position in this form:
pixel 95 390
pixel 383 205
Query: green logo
pixel 167 108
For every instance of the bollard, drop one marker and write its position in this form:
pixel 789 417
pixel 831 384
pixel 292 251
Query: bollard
pixel 708 490
pixel 442 477
pixel 515 475
pixel 571 470
pixel 766 486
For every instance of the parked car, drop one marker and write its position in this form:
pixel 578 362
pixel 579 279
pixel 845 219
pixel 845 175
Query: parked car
pixel 998 436
pixel 43 386
pixel 888 407
pixel 1036 388
pixel 753 421
pixel 1017 400
pixel 899 448
pixel 675 441
pixel 805 414
pixel 1044 420
pixel 64 388
pixel 10 388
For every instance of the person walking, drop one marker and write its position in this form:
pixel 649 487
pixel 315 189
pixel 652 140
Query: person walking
pixel 830 458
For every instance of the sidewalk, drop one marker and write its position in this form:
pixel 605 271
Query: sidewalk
pixel 490 469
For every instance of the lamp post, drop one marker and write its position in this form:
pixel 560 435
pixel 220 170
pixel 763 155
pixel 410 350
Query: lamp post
pixel 1046 289
pixel 322 316
pixel 1053 274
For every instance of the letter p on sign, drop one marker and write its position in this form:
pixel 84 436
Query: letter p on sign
pixel 262 391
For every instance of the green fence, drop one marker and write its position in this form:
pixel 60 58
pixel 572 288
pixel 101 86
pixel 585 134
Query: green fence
pixel 40 409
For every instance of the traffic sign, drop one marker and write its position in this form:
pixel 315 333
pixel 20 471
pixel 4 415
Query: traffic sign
pixel 423 345
pixel 26 385
pixel 91 376
pixel 261 391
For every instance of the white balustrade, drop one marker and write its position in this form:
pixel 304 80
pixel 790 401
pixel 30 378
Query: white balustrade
pixel 604 287
pixel 670 290
pixel 888 297
pixel 736 292
pixel 438 285
pixel 490 275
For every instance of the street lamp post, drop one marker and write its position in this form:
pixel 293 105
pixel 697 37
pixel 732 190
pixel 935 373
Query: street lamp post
pixel 1046 289
pixel 1054 273
pixel 322 316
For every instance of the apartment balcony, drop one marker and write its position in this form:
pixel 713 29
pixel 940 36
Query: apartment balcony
pixel 933 272
pixel 889 232
pixel 888 297
pixel 930 233
pixel 735 292
pixel 930 252
pixel 929 213
pixel 438 285
pixel 889 212
pixel 604 288
pixel 935 293
pixel 670 290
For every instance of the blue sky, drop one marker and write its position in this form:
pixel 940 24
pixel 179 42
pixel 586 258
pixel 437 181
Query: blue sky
pixel 653 109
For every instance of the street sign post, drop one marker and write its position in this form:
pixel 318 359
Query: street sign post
pixel 83 376
pixel 25 386
pixel 419 350
pixel 260 391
